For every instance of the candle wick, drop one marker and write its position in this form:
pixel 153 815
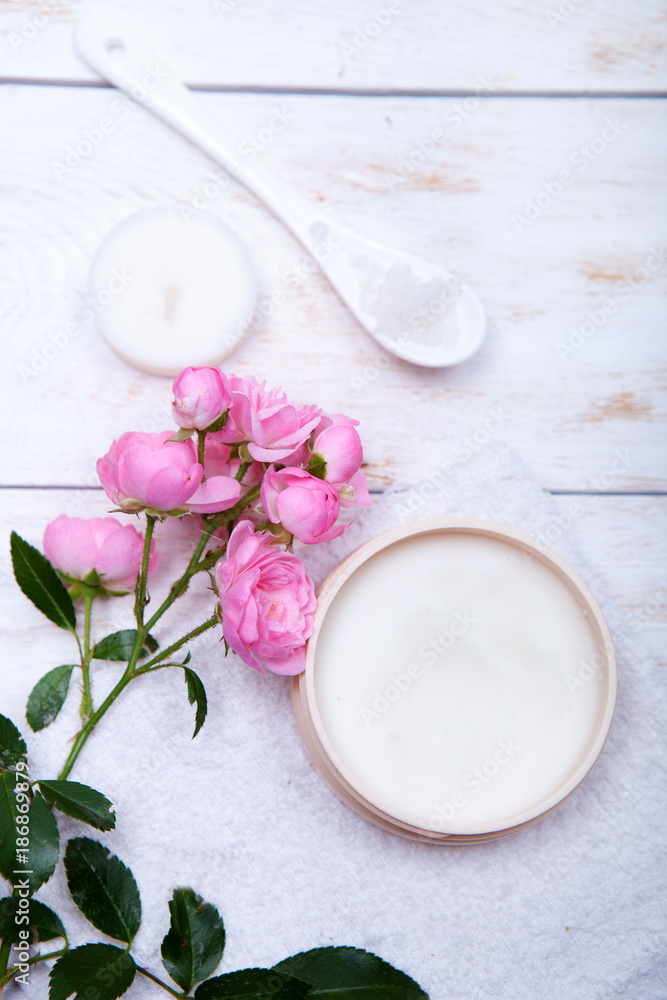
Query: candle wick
pixel 170 303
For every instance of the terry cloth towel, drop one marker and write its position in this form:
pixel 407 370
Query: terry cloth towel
pixel 569 909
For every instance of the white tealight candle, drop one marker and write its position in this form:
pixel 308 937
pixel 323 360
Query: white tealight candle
pixel 171 292
pixel 459 681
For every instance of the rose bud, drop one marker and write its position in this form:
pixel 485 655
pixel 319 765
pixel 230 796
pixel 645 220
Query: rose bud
pixel 305 505
pixel 339 448
pixel 201 396
pixel 150 472
pixel 147 471
pixel 81 547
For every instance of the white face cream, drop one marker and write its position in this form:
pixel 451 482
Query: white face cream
pixel 459 681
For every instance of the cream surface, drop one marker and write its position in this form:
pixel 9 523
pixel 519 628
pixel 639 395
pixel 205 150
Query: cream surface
pixel 171 292
pixel 459 682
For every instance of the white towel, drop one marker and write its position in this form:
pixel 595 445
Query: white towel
pixel 570 909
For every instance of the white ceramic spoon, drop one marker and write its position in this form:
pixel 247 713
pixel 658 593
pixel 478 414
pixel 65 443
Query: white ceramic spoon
pixel 416 310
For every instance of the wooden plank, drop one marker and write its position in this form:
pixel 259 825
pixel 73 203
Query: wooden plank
pixel 589 417
pixel 396 46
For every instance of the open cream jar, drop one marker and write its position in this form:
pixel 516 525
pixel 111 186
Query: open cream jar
pixel 460 682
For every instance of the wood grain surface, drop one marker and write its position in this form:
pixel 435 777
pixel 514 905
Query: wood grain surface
pixel 524 148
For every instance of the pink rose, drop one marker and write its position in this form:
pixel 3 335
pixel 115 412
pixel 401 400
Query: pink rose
pixel 267 602
pixel 273 427
pixel 339 446
pixel 306 506
pixel 201 395
pixel 337 450
pixel 150 472
pixel 79 546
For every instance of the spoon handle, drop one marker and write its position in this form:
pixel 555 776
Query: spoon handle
pixel 121 56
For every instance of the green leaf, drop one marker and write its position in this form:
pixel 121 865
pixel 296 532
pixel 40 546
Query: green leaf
pixel 8 813
pixel 103 888
pixel 195 941
pixel 41 584
pixel 47 697
pixel 218 423
pixel 119 645
pixel 317 466
pixel 44 924
pixel 79 802
pixel 12 745
pixel 44 843
pixel 99 971
pixel 183 434
pixel 253 984
pixel 350 974
pixel 29 838
pixel 196 693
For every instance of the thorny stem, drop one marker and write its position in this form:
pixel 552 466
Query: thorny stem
pixel 140 600
pixel 182 583
pixel 154 979
pixel 88 727
pixel 86 701
pixel 156 662
pixel 196 565
pixel 39 957
pixel 242 470
pixel 201 450
pixel 140 590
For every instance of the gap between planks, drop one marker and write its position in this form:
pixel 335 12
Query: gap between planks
pixel 206 88
pixel 374 493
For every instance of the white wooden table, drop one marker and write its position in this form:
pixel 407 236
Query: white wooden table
pixel 573 284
